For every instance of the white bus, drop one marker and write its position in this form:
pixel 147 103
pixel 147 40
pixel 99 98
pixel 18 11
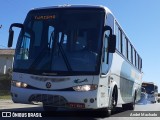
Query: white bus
pixel 151 90
pixel 75 57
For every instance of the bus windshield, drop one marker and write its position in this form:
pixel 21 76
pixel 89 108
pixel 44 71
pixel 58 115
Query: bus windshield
pixel 60 41
pixel 149 88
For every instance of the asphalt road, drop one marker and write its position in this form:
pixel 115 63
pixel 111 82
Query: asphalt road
pixel 119 114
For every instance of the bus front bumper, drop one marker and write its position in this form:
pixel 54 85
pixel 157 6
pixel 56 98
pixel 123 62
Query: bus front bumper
pixel 71 99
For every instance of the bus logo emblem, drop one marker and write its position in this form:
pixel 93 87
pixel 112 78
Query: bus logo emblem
pixel 48 85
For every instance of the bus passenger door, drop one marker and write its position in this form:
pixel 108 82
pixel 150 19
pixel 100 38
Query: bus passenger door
pixel 104 91
pixel 105 56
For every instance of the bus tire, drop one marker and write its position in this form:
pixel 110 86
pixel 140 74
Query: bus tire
pixel 104 112
pixel 107 111
pixel 114 98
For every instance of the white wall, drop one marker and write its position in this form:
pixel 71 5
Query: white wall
pixel 6 62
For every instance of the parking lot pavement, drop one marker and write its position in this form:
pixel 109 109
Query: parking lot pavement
pixel 8 104
pixel 5 103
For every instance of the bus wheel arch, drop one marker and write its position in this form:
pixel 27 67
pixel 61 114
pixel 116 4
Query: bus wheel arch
pixel 113 100
pixel 114 97
pixel 114 94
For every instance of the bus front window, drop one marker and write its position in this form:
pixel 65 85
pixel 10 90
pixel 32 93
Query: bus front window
pixel 149 88
pixel 61 41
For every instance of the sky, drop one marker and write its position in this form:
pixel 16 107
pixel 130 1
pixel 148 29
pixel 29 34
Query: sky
pixel 140 19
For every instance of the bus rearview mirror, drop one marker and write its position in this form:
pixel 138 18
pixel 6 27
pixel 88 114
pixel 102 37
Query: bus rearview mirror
pixel 11 32
pixel 112 44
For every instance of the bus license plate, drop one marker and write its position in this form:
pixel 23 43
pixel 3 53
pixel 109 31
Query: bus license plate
pixel 76 105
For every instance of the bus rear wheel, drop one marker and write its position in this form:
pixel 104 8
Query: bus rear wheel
pixel 129 106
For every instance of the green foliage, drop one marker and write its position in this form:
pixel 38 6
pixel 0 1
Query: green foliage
pixel 5 84
pixel 5 94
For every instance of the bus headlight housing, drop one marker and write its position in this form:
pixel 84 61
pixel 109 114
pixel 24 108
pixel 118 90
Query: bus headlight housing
pixel 85 87
pixel 18 84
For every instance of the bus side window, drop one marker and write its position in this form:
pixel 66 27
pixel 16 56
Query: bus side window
pixel 106 41
pixel 24 49
pixel 133 56
pixel 105 53
pixel 124 47
pixel 117 36
pixel 129 52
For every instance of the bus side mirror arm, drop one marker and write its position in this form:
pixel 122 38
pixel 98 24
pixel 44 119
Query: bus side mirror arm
pixel 108 28
pixel 104 75
pixel 112 44
pixel 111 41
pixel 10 39
pixel 11 32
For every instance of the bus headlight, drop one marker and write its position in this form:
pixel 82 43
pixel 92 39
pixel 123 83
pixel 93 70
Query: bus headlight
pixel 85 87
pixel 18 84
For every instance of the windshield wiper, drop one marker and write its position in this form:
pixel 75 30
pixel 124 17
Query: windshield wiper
pixel 38 60
pixel 63 53
pixel 42 53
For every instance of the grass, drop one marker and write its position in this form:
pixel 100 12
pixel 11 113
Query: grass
pixel 5 94
pixel 5 97
pixel 5 83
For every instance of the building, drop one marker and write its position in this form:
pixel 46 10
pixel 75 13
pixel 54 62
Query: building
pixel 6 60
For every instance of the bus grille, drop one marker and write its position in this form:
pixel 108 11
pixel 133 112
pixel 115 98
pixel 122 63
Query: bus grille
pixel 50 100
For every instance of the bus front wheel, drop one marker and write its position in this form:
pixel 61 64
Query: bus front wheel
pixel 113 103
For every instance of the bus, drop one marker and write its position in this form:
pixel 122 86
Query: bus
pixel 74 57
pixel 144 96
pixel 151 90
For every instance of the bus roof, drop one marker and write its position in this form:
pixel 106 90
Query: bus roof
pixel 74 6
pixel 149 83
